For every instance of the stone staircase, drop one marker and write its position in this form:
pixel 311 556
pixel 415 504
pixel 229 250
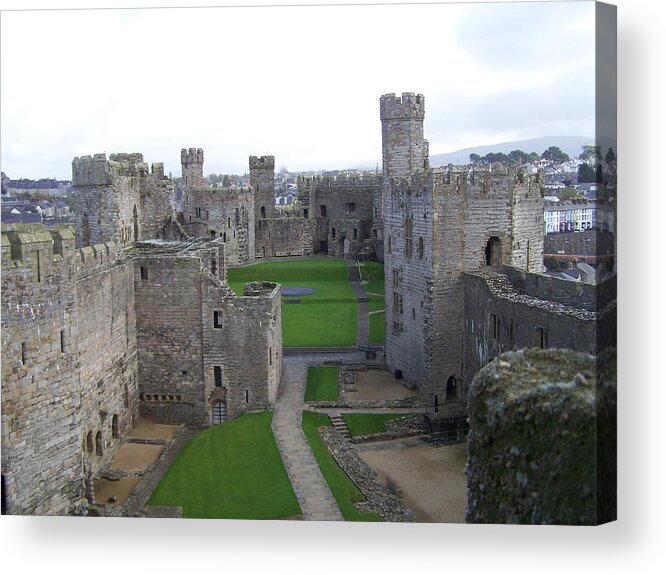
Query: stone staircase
pixel 340 426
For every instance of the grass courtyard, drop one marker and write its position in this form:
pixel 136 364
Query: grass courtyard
pixel 322 384
pixel 326 318
pixel 372 277
pixel 369 423
pixel 230 471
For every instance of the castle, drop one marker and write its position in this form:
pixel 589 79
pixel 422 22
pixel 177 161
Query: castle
pixel 132 314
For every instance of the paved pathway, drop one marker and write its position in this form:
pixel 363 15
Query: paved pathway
pixel 312 491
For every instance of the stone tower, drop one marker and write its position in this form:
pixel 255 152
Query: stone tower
pixel 191 161
pixel 404 151
pixel 262 175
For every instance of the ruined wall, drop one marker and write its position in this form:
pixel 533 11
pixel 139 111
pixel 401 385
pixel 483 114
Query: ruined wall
pixel 248 379
pixel 499 318
pixel 225 213
pixel 285 236
pixel 111 197
pixel 542 441
pixel 345 213
pixel 199 343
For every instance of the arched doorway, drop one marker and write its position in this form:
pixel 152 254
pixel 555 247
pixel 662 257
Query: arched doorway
pixel 219 412
pixel 494 252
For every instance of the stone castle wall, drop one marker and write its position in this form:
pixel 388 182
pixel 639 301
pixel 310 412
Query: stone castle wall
pixel 69 361
pixel 222 213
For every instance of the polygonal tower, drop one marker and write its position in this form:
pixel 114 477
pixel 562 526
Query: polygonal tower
pixel 404 151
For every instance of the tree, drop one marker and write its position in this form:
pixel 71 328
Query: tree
pixel 568 194
pixel 590 154
pixel 555 155
pixel 518 157
pixel 474 158
pixel 533 157
pixel 586 174
pixel 610 156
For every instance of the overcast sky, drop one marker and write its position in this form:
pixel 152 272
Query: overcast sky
pixel 300 83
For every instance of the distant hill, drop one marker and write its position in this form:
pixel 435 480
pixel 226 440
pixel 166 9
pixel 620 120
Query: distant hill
pixel 571 145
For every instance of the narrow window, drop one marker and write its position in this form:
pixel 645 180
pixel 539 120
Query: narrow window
pixel 144 273
pixel 541 339
pixel 247 396
pixel 333 233
pixel 420 248
pixel 99 448
pixel 213 266
pixel 217 372
pixel 263 211
pixel 322 210
pixel 89 442
pixel 270 356
pixel 62 341
pixel 23 354
pixel 355 233
pixel 305 213
pixel 224 237
pixel 218 319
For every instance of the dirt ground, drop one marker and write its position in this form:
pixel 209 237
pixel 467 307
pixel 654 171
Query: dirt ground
pixel 136 457
pixel 377 384
pixel 432 479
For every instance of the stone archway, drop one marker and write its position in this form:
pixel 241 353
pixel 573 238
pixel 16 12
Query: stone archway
pixel 494 252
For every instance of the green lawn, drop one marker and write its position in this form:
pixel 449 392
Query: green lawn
pixel 326 318
pixel 368 423
pixel 343 488
pixel 372 274
pixel 322 384
pixel 230 471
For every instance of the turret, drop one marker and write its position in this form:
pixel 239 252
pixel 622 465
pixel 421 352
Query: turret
pixel 262 176
pixel 191 161
pixel 404 151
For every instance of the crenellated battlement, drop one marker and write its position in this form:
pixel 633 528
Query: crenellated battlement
pixel 477 181
pixel 32 246
pixel 191 156
pixel 100 171
pixel 262 162
pixel 346 180
pixel 409 106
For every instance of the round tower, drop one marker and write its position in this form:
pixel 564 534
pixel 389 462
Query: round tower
pixel 191 161
pixel 404 151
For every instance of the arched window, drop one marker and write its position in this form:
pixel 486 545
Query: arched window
pixel 451 388
pixel 89 442
pixel 114 427
pixel 420 248
pixel 99 448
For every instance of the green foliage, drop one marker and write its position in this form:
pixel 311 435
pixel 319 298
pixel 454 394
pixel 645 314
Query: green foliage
pixel 586 174
pixel 343 489
pixel 322 384
pixel 590 154
pixel 374 272
pixel 551 263
pixel 568 194
pixel 326 318
pixel 368 423
pixel 555 155
pixel 230 471
pixel 377 328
